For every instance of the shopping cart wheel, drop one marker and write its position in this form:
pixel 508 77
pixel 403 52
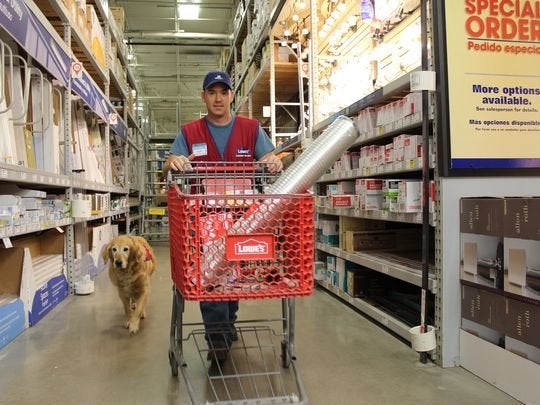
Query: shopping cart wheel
pixel 285 357
pixel 173 363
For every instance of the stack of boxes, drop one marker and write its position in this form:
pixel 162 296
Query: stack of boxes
pixel 370 194
pixel 500 258
pixel 32 282
pixel 97 36
pixel 328 231
pixel 392 114
pixel 24 209
pixel 387 195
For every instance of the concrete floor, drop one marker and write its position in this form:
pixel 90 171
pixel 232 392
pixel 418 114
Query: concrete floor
pixel 81 354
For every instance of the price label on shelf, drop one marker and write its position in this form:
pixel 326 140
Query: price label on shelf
pixel 156 211
pixel 7 242
pixel 385 269
pixel 3 173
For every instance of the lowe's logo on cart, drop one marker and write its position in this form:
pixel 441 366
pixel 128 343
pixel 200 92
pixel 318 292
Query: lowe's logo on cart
pixel 251 246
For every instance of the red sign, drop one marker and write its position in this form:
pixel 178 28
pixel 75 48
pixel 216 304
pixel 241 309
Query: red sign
pixel 250 247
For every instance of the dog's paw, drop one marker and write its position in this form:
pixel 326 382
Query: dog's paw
pixel 143 314
pixel 133 326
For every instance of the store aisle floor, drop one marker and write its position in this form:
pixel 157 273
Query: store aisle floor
pixel 81 354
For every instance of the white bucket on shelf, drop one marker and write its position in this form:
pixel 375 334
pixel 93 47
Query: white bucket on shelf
pixel 423 342
pixel 81 208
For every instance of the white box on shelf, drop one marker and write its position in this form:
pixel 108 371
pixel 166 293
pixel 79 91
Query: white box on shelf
pixel 410 196
pixel 412 147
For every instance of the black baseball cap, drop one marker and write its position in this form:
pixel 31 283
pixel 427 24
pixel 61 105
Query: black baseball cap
pixel 212 78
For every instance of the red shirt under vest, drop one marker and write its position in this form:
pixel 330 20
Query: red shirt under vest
pixel 239 148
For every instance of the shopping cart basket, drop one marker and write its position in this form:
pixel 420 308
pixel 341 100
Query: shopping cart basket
pixel 231 240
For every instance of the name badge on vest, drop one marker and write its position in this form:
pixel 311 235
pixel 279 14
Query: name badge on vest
pixel 199 149
pixel 243 152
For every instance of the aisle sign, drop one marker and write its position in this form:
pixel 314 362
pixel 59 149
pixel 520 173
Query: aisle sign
pixel 92 95
pixel 493 59
pixel 33 36
pixel 113 118
pixel 76 70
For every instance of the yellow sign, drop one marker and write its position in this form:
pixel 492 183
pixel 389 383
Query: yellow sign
pixel 156 211
pixel 493 59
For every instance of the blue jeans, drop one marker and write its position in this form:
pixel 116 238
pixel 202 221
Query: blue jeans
pixel 218 318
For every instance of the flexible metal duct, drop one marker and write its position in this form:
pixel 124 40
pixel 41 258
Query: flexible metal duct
pixel 297 179
pixel 317 158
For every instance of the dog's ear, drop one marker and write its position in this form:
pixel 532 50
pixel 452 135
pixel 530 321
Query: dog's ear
pixel 106 252
pixel 139 251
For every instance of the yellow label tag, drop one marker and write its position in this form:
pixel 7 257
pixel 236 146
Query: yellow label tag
pixel 156 211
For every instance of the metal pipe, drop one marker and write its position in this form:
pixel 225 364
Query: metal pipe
pixel 297 179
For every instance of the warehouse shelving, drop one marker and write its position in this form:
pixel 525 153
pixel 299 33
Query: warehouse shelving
pixel 61 42
pixel 390 264
pixel 155 224
pixel 256 70
pixel 395 325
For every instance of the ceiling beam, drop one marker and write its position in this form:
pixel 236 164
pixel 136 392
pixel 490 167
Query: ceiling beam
pixel 181 43
pixel 180 35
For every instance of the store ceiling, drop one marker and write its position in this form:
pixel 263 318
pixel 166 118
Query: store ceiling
pixel 172 55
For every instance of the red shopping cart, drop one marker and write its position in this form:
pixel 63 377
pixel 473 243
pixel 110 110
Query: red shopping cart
pixel 232 240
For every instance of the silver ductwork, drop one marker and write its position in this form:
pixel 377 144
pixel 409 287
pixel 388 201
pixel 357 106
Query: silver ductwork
pixel 297 179
pixel 317 158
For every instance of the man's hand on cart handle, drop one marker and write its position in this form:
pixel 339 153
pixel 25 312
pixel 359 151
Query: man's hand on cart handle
pixel 181 163
pixel 273 163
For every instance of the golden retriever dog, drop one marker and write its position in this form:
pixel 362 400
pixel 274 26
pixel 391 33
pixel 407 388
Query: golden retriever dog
pixel 131 264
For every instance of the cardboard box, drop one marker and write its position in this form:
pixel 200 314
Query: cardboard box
pixel 356 241
pixel 341 201
pixel 341 281
pixel 522 349
pixel 412 147
pixel 481 245
pixel 482 260
pixel 482 216
pixel 483 306
pixel 354 281
pixel 13 318
pixel 410 196
pixel 394 239
pixel 523 321
pixel 522 267
pixel 346 187
pixel 97 37
pixel 357 224
pixel 119 17
pixel 483 313
pixel 522 247
pixel 522 218
pixel 40 296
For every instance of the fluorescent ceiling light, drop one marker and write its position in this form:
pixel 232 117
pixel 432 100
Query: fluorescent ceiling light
pixel 188 11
